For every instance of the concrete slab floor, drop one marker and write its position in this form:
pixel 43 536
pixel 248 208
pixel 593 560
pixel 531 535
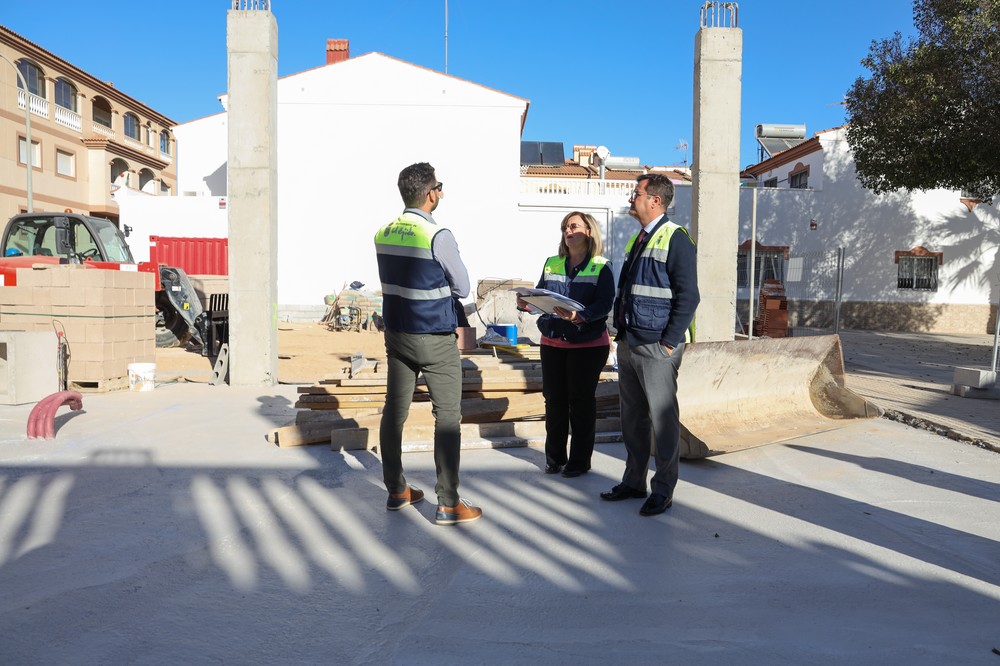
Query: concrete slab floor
pixel 161 528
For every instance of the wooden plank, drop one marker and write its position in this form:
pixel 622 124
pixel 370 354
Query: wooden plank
pixel 365 387
pixel 473 411
pixel 350 406
pixel 473 434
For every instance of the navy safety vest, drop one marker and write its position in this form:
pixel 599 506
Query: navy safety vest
pixel 647 302
pixel 581 288
pixel 416 295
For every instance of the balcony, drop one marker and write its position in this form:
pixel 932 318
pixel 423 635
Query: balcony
pixel 106 132
pixel 533 185
pixel 39 106
pixel 68 118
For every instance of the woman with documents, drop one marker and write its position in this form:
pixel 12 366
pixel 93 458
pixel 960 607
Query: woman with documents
pixel 576 292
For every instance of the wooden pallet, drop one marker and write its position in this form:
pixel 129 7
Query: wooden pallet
pixel 97 385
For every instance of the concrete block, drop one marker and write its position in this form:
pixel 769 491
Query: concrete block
pixel 28 366
pixel 16 295
pixel 975 378
pixel 963 391
pixel 94 278
pixel 69 296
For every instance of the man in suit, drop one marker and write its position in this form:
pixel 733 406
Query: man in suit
pixel 654 314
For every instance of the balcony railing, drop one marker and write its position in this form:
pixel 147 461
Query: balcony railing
pixel 38 105
pixel 577 186
pixel 104 131
pixel 68 118
pixel 132 143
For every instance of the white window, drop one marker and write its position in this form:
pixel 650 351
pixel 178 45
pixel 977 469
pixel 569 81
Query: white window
pixel 22 153
pixel 65 163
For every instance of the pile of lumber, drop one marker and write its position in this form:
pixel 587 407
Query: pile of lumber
pixel 502 405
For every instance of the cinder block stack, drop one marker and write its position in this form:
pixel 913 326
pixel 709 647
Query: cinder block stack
pixel 107 316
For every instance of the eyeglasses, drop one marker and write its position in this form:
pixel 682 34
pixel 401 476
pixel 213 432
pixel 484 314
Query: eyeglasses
pixel 636 194
pixel 438 187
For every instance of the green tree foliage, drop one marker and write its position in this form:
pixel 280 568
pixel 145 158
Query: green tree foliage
pixel 929 115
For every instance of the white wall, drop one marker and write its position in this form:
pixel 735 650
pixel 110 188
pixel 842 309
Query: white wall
pixel 185 217
pixel 542 214
pixel 344 133
pixel 202 156
pixel 872 227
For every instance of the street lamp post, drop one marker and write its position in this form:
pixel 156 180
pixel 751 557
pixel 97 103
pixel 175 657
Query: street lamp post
pixel 29 157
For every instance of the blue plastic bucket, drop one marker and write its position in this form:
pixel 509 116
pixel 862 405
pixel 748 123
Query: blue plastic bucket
pixel 508 331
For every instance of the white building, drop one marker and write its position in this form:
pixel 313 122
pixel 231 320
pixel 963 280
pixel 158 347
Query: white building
pixel 920 261
pixel 913 261
pixel 345 130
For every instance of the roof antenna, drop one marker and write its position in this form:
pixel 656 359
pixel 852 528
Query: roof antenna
pixel 445 36
pixel 682 145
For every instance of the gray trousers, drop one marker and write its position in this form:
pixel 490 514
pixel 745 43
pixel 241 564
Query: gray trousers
pixel 647 384
pixel 437 358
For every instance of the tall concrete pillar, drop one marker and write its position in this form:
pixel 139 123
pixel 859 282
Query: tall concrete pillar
pixel 715 206
pixel 252 44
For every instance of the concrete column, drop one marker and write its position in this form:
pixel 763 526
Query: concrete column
pixel 715 206
pixel 252 197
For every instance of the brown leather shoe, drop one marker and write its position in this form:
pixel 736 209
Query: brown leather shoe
pixel 463 512
pixel 409 496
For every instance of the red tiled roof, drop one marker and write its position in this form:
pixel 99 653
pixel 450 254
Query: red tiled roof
pixel 573 170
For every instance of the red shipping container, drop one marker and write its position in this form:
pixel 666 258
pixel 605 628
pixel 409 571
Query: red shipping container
pixel 195 256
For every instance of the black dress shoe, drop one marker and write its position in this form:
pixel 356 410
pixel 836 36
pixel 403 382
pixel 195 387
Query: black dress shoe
pixel 656 504
pixel 622 492
pixel 573 473
pixel 553 469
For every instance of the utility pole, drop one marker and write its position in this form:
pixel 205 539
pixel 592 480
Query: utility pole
pixel 29 155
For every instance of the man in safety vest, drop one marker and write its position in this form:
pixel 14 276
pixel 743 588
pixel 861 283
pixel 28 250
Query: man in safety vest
pixel 422 278
pixel 653 311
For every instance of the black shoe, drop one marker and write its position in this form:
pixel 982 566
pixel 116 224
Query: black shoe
pixel 573 473
pixel 656 504
pixel 622 492
pixel 553 469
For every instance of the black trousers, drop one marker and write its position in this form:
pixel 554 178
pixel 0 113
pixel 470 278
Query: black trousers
pixel 569 381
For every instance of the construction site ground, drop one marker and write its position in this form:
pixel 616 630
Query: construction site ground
pixel 161 527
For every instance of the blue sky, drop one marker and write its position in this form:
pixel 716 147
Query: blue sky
pixel 595 72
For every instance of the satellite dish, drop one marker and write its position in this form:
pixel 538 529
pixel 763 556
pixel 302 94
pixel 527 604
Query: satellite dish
pixel 602 152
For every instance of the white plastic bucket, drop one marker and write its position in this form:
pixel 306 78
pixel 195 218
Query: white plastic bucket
pixel 141 376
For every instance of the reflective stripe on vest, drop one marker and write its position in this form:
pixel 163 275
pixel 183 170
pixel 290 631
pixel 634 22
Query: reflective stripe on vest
pixel 416 294
pixel 555 270
pixel 646 282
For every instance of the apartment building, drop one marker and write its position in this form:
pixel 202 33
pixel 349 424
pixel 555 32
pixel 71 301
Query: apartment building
pixel 87 138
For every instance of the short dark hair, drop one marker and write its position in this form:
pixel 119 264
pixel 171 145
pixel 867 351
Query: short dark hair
pixel 658 185
pixel 415 181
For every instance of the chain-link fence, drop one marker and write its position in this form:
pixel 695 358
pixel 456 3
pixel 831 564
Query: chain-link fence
pixel 809 286
pixel 814 285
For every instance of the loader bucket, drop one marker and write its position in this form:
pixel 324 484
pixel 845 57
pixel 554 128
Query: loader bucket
pixel 742 394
